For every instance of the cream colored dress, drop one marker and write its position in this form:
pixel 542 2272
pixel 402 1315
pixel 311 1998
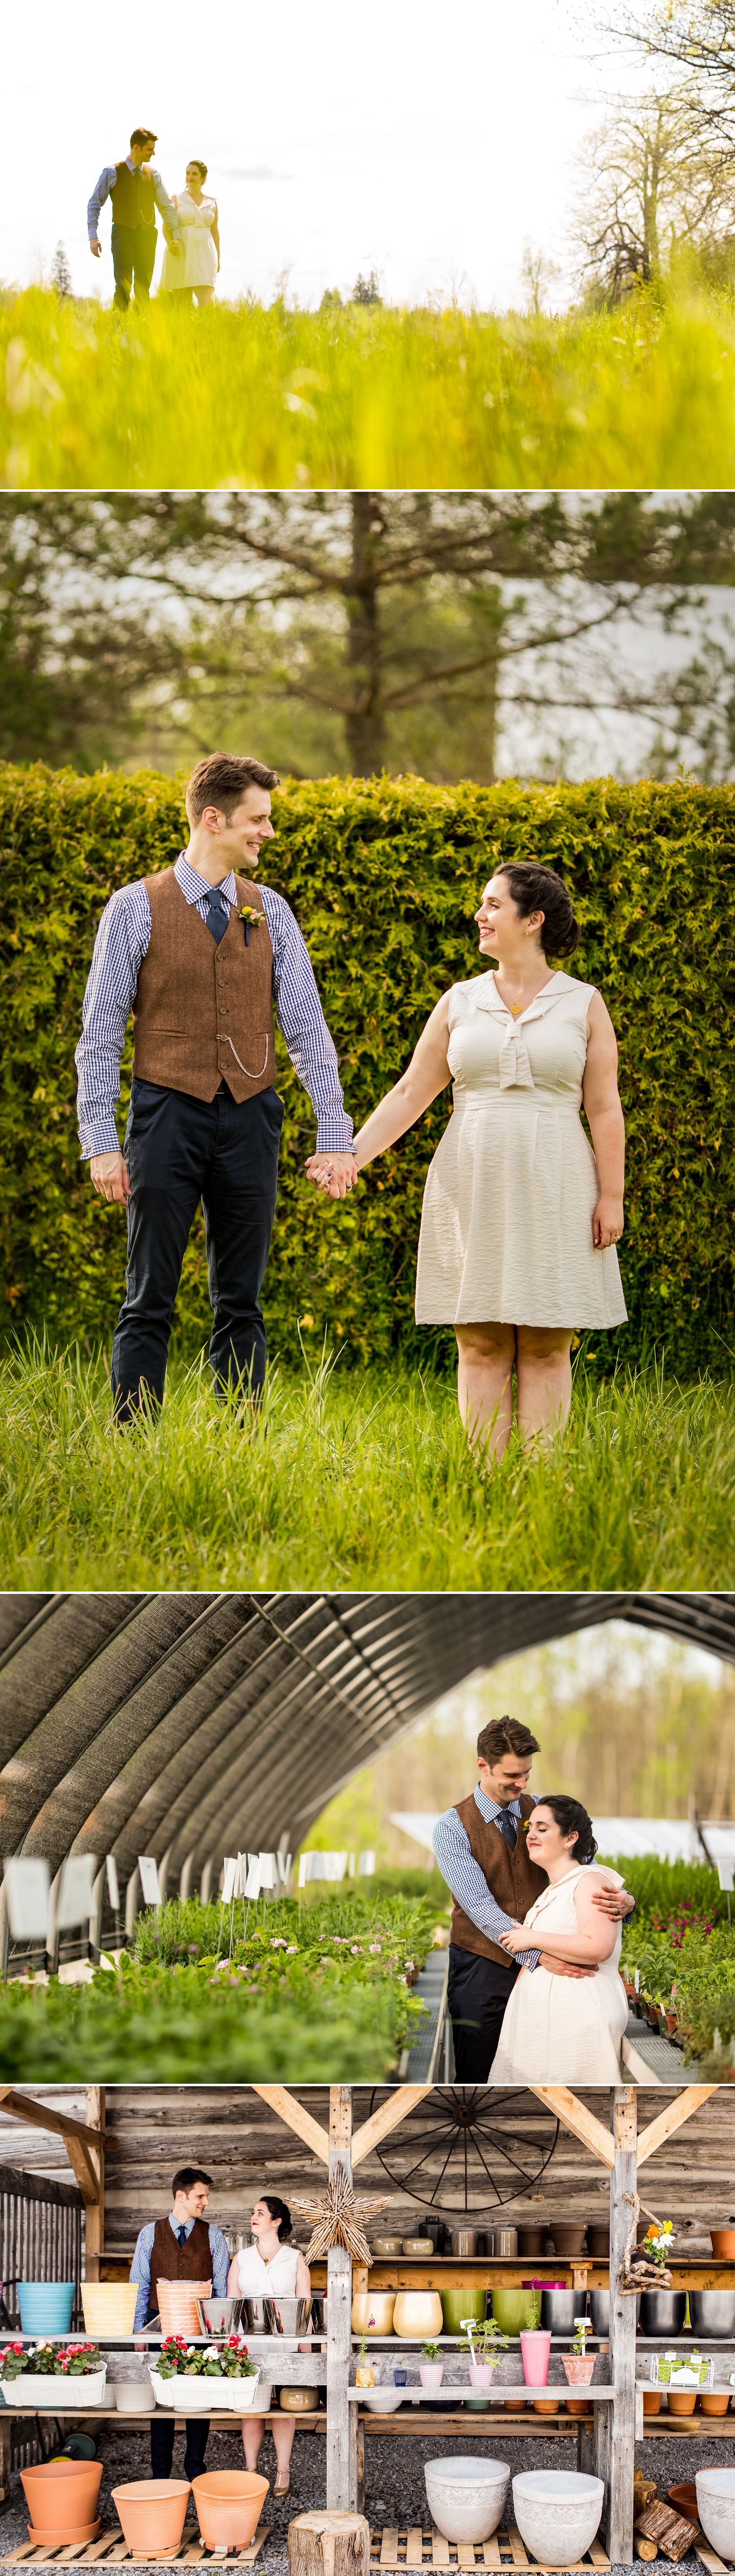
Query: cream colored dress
pixel 506 1226
pixel 563 2030
pixel 196 264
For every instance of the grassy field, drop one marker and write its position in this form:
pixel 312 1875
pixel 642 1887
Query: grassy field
pixel 358 1478
pixel 262 396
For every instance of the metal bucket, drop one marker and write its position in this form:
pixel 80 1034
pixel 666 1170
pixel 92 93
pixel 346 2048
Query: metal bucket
pixel 559 2309
pixel 293 2318
pixel 663 2312
pixel 220 2316
pixel 712 2311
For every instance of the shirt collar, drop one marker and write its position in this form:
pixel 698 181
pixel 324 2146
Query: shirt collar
pixel 489 1806
pixel 175 2223
pixel 488 998
pixel 193 886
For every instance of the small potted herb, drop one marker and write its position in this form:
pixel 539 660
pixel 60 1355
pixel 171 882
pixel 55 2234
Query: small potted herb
pixel 431 2371
pixel 364 2374
pixel 578 2365
pixel 484 2343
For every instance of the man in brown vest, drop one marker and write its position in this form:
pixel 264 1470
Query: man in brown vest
pixel 480 1848
pixel 202 957
pixel 180 2247
pixel 136 189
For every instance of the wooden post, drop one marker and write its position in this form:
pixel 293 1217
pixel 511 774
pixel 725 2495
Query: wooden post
pixel 5 2423
pixel 94 2214
pixel 341 2416
pixel 615 2424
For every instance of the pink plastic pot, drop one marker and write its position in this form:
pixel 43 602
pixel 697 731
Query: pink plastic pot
pixel 481 2374
pixel 535 2348
pixel 431 2373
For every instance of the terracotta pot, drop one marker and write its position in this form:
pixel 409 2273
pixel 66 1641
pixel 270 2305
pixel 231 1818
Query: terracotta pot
pixel 546 2405
pixel 229 2503
pixel 419 2313
pixel 152 2512
pixel 598 2243
pixel 372 2312
pixel 723 2243
pixel 652 2401
pixel 63 2538
pixel 714 2401
pixel 108 2307
pixel 681 2401
pixel 578 2368
pixel 62 2496
pixel 684 2501
pixel 531 2240
pixel 177 2306
pixel 567 2240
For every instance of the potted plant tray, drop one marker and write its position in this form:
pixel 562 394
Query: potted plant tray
pixel 52 2374
pixel 192 2378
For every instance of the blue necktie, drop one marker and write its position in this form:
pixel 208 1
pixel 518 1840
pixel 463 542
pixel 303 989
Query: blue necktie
pixel 506 1825
pixel 181 2235
pixel 217 915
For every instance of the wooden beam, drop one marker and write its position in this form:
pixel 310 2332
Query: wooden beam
pixel 342 2465
pixel 23 2106
pixel 575 2116
pixel 397 2108
pixel 94 2224
pixel 287 2107
pixel 619 2433
pixel 682 2108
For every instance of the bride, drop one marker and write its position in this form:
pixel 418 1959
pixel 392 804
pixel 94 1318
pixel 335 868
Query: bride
pixel 555 2031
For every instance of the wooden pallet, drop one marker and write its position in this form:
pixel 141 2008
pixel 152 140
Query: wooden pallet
pixel 717 2566
pixel 414 2548
pixel 113 2551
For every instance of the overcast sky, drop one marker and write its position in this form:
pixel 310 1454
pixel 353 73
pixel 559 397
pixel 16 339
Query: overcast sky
pixel 425 142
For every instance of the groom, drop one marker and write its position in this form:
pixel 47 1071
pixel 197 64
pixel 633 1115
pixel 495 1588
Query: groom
pixel 135 190
pixel 201 956
pixel 180 2247
pixel 480 1848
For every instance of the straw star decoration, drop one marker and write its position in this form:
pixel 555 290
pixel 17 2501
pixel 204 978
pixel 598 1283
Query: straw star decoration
pixel 336 2220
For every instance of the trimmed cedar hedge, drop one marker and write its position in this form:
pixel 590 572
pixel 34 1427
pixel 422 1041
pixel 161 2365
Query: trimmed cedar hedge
pixel 384 878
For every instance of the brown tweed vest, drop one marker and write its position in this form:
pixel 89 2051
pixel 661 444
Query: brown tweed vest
pixel 170 2261
pixel 132 200
pixel 512 1878
pixel 203 1014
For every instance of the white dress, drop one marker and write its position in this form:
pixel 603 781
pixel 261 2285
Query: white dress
pixel 563 2030
pixel 506 1225
pixel 196 264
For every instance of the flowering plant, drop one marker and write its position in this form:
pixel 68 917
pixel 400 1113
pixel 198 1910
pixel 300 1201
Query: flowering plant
pixel 55 2360
pixel 658 2242
pixel 250 919
pixel 229 2360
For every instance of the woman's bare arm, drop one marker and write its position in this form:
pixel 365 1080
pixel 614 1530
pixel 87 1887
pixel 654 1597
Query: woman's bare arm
pixel 233 2278
pixel 606 1124
pixel 594 1940
pixel 425 1076
pixel 215 231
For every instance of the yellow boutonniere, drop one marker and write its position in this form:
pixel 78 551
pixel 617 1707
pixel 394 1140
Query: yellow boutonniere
pixel 250 919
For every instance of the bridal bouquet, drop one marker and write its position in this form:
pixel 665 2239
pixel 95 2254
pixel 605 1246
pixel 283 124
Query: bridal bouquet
pixel 229 2360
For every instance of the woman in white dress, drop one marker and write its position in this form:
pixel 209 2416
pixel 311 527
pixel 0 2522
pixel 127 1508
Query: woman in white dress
pixel 520 1217
pixel 195 269
pixel 270 2268
pixel 559 2030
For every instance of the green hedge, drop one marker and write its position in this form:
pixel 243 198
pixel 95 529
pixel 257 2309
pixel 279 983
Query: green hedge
pixel 384 877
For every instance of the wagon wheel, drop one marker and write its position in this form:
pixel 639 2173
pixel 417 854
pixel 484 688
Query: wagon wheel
pixel 462 2151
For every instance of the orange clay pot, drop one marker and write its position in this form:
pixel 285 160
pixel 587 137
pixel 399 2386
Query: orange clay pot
pixel 228 2503
pixel 714 2401
pixel 723 2243
pixel 62 2497
pixel 152 2512
pixel 682 2401
pixel 546 2405
pixel 652 2401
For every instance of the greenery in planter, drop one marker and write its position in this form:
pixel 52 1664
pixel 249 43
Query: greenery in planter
pixel 386 1936
pixel 384 876
pixel 230 2360
pixel 50 2360
pixel 485 2342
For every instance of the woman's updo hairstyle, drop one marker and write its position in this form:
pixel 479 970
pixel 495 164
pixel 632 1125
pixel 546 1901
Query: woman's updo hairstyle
pixel 571 1818
pixel 201 166
pixel 279 2213
pixel 536 889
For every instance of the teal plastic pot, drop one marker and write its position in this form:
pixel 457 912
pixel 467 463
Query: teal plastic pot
pixel 465 2299
pixel 514 2310
pixel 45 2306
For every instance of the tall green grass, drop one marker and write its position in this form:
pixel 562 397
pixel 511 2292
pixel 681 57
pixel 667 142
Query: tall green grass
pixel 262 396
pixel 358 1477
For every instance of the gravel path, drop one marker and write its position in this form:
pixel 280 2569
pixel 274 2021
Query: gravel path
pixel 394 2482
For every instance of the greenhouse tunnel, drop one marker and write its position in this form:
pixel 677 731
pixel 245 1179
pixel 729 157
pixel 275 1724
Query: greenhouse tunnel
pixel 186 1725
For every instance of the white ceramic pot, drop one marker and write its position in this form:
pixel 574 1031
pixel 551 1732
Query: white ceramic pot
pixel 382 2401
pixel 132 2396
pixel 262 2398
pixel 431 2373
pixel 558 2512
pixel 57 2390
pixel 466 2496
pixel 716 2508
pixel 418 2313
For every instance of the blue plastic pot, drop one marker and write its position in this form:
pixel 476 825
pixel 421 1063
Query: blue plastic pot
pixel 45 2306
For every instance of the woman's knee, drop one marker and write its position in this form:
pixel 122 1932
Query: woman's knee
pixel 486 1342
pixel 540 1346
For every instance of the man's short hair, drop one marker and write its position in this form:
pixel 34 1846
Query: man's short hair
pixel 222 779
pixel 505 1735
pixel 185 2179
pixel 143 134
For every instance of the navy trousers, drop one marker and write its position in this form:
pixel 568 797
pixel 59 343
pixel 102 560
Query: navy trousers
pixel 477 1993
pixel 162 2447
pixel 178 1151
pixel 133 257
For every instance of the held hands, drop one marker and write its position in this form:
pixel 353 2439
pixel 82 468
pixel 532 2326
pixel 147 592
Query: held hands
pixel 335 1174
pixel 516 1938
pixel 563 1967
pixel 607 1223
pixel 109 1177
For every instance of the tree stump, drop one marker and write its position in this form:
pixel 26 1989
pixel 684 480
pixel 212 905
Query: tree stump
pixel 329 2544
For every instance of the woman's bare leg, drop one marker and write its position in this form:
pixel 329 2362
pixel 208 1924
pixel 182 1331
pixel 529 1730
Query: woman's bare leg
pixel 283 2428
pixel 253 2428
pixel 485 1384
pixel 204 295
pixel 544 1381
